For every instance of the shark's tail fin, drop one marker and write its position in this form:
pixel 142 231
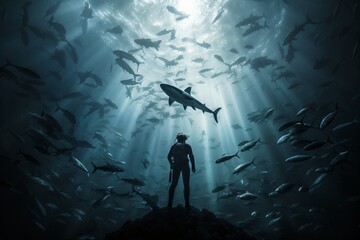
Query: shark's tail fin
pixel 236 154
pixel 57 107
pixel 157 45
pixel 253 161
pixel 95 168
pixel 215 114
pixel 139 65
pixel 229 65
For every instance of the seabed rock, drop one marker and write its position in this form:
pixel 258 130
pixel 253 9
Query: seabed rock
pixel 179 223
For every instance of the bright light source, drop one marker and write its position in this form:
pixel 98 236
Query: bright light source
pixel 190 7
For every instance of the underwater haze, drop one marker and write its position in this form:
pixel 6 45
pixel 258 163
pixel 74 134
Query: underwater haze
pixel 271 111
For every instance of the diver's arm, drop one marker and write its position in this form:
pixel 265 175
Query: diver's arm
pixel 192 159
pixel 169 156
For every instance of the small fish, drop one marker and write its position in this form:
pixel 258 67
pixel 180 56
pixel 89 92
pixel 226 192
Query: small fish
pixel 111 103
pixel 101 138
pixel 218 188
pixel 204 45
pixel 101 200
pixel 148 43
pixel 115 30
pixel 303 189
pixel 204 70
pixel 243 166
pixel 318 181
pixel 284 138
pixel 134 181
pixel 23 70
pixel 328 119
pixel 243 142
pixel 107 168
pixel 163 32
pixel 236 62
pixel 299 158
pixel 52 9
pixel 151 201
pixel 182 17
pixel 197 60
pixel 248 196
pixel 249 145
pixel 180 49
pixel 219 58
pixel 287 125
pixel 324 170
pixel 173 10
pixel 234 50
pixel 128 56
pixel 346 124
pixel 79 164
pixel 296 30
pixel 304 110
pixel 58 27
pixel 283 188
pixel 30 159
pixel 236 126
pixel 218 16
pixel 275 221
pixel 41 206
pixel 43 183
pixel 340 158
pixel 67 114
pixel 225 158
pixel 315 145
pixel 126 67
pixel 269 113
pixel 17 136
pixel 129 82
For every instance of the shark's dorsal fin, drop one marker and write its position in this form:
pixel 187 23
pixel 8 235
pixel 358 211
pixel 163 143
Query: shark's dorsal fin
pixel 184 107
pixel 188 90
pixel 171 101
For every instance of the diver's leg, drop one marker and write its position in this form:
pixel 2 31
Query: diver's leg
pixel 186 180
pixel 175 179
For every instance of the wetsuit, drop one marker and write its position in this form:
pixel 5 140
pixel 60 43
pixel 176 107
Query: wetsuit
pixel 178 158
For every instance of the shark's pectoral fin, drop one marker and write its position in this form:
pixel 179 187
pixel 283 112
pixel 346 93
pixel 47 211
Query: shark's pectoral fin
pixel 184 107
pixel 188 90
pixel 171 101
pixel 193 107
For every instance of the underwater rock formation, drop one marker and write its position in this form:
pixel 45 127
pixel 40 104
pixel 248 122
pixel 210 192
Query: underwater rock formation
pixel 179 223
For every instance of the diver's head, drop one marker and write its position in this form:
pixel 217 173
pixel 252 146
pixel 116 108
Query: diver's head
pixel 181 137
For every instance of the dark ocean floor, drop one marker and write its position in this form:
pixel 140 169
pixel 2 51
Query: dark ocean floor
pixel 179 223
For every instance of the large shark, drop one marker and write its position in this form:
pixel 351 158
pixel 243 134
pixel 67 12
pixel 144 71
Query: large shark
pixel 185 98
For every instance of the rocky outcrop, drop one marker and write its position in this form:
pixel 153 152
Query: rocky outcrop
pixel 179 223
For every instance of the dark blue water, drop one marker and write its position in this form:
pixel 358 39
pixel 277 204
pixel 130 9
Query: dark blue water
pixel 65 109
